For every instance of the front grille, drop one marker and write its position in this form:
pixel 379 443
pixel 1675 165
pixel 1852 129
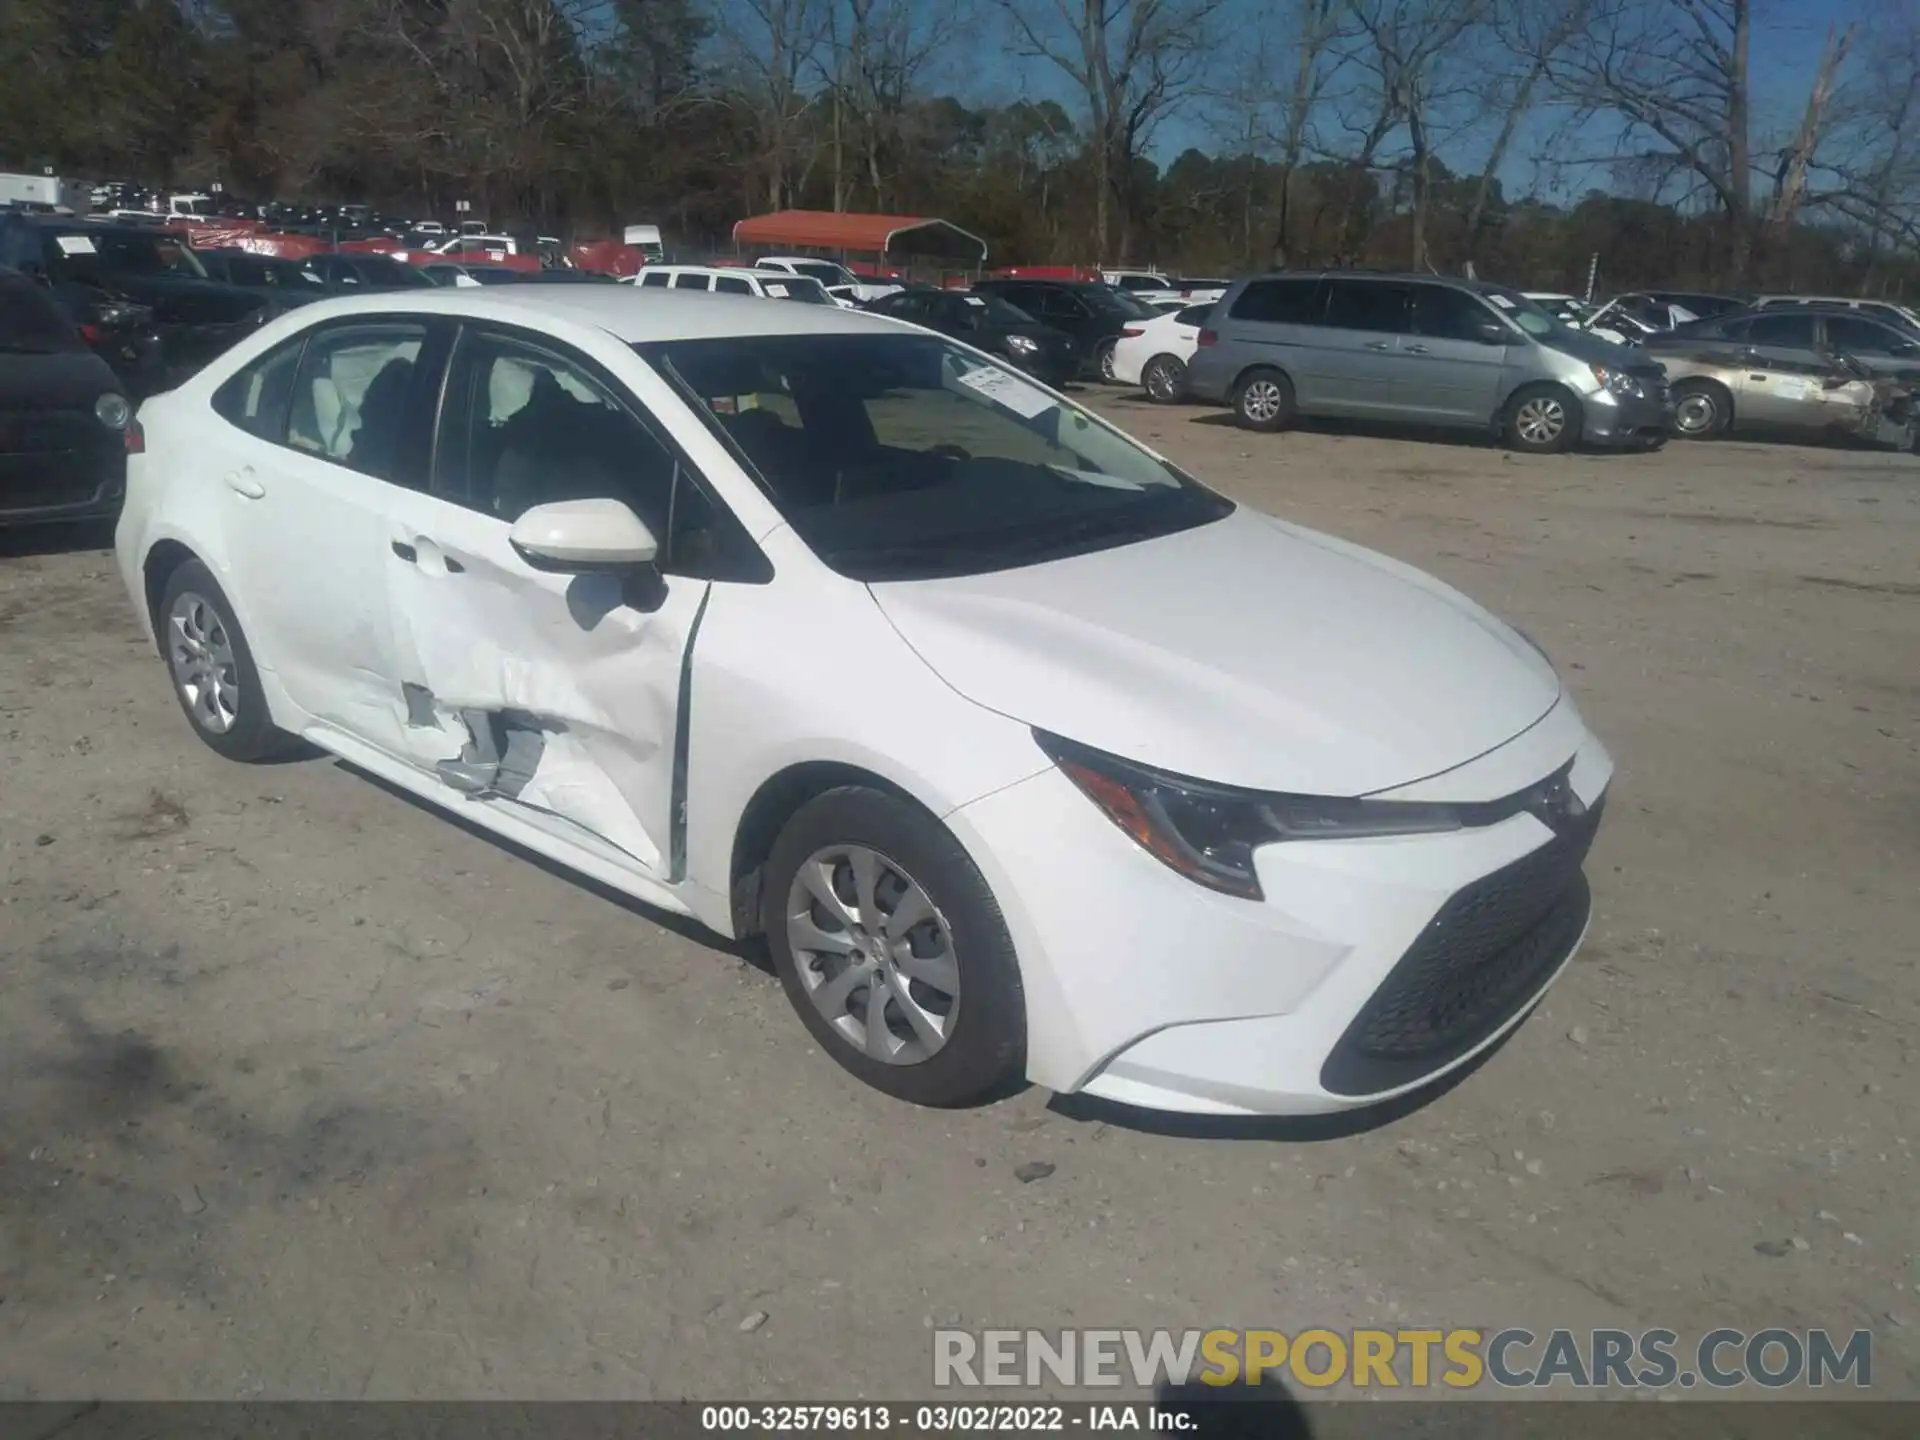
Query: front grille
pixel 1486 952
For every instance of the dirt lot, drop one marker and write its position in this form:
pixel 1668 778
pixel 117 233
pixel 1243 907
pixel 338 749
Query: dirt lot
pixel 309 1091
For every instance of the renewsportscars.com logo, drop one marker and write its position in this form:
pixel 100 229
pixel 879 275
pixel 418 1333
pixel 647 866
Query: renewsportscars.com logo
pixel 1407 1358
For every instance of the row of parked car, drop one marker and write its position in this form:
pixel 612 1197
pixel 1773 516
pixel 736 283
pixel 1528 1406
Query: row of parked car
pixel 1452 352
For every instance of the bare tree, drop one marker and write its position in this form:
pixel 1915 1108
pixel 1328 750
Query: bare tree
pixel 1871 168
pixel 1676 73
pixel 1135 62
pixel 876 52
pixel 769 48
pixel 1408 47
pixel 1532 32
pixel 1797 159
pixel 1314 27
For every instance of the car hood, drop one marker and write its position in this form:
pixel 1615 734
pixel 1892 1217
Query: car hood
pixel 1590 349
pixel 1247 651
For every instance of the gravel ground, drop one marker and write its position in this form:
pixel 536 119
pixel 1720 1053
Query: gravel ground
pixel 310 1091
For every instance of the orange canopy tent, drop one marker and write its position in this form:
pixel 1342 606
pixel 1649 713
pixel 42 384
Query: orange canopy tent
pixel 901 236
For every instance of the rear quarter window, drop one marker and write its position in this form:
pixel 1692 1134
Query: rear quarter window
pixel 1279 302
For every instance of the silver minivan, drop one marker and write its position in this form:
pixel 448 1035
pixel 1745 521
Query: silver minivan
pixel 1425 349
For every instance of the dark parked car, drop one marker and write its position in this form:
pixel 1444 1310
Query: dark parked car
pixel 1777 366
pixel 988 323
pixel 94 271
pixel 63 414
pixel 361 274
pixel 1091 313
pixel 282 284
pixel 448 272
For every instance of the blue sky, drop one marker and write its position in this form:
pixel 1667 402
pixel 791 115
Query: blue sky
pixel 1787 40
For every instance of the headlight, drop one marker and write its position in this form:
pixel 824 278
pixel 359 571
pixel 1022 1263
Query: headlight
pixel 1618 381
pixel 113 411
pixel 1023 345
pixel 1209 832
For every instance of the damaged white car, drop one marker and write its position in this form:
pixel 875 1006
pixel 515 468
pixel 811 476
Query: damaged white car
pixel 1029 755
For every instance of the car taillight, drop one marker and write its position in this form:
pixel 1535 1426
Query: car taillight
pixel 1132 332
pixel 1206 338
pixel 91 333
pixel 136 438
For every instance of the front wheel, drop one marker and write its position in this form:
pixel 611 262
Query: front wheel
pixel 1542 420
pixel 1164 379
pixel 892 949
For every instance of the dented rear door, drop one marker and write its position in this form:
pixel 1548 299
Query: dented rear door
pixel 555 693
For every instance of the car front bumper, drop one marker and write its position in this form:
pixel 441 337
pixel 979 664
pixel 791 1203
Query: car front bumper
pixel 1609 419
pixel 43 489
pixel 1371 968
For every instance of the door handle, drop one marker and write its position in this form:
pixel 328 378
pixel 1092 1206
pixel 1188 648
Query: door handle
pixel 406 552
pixel 1378 345
pixel 1416 349
pixel 244 482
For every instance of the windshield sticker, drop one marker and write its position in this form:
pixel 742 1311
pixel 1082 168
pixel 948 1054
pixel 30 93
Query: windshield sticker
pixel 1004 388
pixel 75 244
pixel 1501 301
pixel 774 288
pixel 975 300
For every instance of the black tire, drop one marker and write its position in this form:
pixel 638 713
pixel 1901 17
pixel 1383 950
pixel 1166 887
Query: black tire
pixel 985 1050
pixel 1103 361
pixel 1263 400
pixel 1164 378
pixel 1702 409
pixel 1542 420
pixel 252 734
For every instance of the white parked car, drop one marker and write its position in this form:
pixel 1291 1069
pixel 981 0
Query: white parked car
pixel 1029 754
pixel 732 280
pixel 1154 353
pixel 846 288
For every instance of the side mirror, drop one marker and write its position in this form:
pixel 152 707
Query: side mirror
pixel 575 537
pixel 1492 332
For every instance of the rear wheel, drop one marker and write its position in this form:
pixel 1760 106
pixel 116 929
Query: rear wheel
pixel 214 677
pixel 1263 400
pixel 1702 410
pixel 1542 420
pixel 1164 378
pixel 1103 361
pixel 893 950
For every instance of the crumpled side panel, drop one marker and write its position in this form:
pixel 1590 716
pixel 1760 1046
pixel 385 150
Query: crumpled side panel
pixel 597 676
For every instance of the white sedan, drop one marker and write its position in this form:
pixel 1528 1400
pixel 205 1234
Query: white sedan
pixel 1154 353
pixel 1028 754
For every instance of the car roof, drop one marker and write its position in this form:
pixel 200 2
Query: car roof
pixel 626 312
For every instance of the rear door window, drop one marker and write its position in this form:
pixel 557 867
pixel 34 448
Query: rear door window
pixel 1371 305
pixel 1792 332
pixel 353 396
pixel 1280 302
pixel 692 282
pixel 255 398
pixel 732 285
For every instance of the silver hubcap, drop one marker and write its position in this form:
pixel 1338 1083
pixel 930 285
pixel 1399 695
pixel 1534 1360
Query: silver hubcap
pixel 201 657
pixel 1261 400
pixel 1694 413
pixel 1541 420
pixel 1162 380
pixel 874 954
pixel 1106 363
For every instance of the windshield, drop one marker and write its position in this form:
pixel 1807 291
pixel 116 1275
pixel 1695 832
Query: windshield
pixel 390 272
pixel 31 324
pixel 1128 305
pixel 826 272
pixel 1523 312
pixel 904 457
pixel 87 255
pixel 795 287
